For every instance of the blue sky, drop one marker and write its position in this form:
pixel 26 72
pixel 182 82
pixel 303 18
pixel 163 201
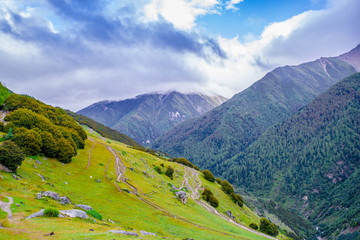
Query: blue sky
pixel 72 53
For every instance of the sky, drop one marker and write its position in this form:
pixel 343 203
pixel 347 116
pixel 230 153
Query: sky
pixel 72 53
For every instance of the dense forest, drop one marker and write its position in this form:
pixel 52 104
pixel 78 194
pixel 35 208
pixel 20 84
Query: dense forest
pixel 310 162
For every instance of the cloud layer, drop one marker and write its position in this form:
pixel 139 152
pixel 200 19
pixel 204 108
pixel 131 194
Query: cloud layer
pixel 71 54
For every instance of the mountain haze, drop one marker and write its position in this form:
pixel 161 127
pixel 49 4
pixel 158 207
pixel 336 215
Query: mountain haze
pixel 230 128
pixel 148 116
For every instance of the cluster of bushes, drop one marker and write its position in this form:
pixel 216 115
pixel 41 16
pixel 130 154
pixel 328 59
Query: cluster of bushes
pixel 208 196
pixel 169 172
pixel 254 226
pixel 185 162
pixel 268 227
pixel 229 190
pixel 237 199
pixel 11 155
pixel 158 169
pixel 42 129
pixel 51 212
pixel 94 214
pixel 208 176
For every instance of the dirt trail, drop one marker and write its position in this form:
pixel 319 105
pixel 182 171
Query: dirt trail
pixel 90 152
pixel 196 197
pixel 6 206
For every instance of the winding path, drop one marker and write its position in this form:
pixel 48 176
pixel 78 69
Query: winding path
pixel 90 152
pixel 6 206
pixel 196 197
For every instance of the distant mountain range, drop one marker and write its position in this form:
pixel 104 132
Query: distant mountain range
pixel 233 126
pixel 148 116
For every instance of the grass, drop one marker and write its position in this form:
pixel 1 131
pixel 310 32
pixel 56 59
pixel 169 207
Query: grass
pixel 168 217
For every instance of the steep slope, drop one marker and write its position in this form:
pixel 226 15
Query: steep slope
pixel 310 162
pixel 4 93
pixel 148 116
pixel 230 128
pixel 122 186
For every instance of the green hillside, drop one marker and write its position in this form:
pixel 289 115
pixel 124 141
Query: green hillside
pixel 4 93
pixel 230 128
pixel 310 162
pixel 149 116
pixel 121 185
pixel 103 130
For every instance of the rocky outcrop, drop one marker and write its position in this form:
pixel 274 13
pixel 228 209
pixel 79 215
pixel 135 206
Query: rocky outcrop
pixel 229 213
pixel 53 195
pixel 37 214
pixel 65 200
pixel 147 233
pixel 182 196
pixel 75 213
pixel 124 232
pixel 85 207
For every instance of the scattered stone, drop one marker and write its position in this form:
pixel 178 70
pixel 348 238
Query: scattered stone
pixel 38 195
pixel 125 190
pixel 75 213
pixel 35 166
pixel 146 174
pixel 1 176
pixel 37 214
pixel 90 176
pixel 63 164
pixel 15 177
pixel 50 234
pixel 98 180
pixel 124 232
pixel 18 205
pixel 38 162
pixel 53 195
pixel 65 183
pixel 173 187
pixel 110 220
pixel 229 213
pixel 65 200
pixel 42 177
pixel 147 233
pixel 85 207
pixel 91 230
pixel 182 196
pixel 132 169
pixel 68 173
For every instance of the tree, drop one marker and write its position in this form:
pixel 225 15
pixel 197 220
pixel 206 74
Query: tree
pixel 237 199
pixel 254 226
pixel 49 147
pixel 9 135
pixel 208 176
pixel 158 169
pixel 218 180
pixel 208 196
pixel 169 172
pixel 11 155
pixel 269 228
pixel 66 151
pixel 213 201
pixel 226 187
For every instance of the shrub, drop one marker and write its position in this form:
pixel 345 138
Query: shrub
pixel 49 147
pixel 162 165
pixel 254 226
pixel 226 187
pixel 208 176
pixel 66 151
pixel 51 212
pixel 269 228
pixel 11 155
pixel 218 180
pixel 158 169
pixel 169 172
pixel 208 196
pixel 213 201
pixel 185 162
pixel 237 199
pixel 94 214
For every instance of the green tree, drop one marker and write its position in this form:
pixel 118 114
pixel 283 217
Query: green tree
pixel 213 201
pixel 226 187
pixel 169 172
pixel 269 228
pixel 208 176
pixel 11 155
pixel 9 135
pixel 49 147
pixel 66 151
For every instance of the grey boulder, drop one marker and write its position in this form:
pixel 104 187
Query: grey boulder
pixel 124 232
pixel 229 213
pixel 147 233
pixel 37 214
pixel 75 213
pixel 65 200
pixel 182 196
pixel 53 195
pixel 85 207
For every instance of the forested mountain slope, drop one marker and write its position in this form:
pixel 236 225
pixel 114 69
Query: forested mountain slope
pixel 311 161
pixel 148 116
pixel 230 128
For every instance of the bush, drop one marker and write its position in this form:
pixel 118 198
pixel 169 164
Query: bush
pixel 94 214
pixel 162 165
pixel 226 187
pixel 269 228
pixel 158 169
pixel 11 155
pixel 208 196
pixel 185 162
pixel 213 201
pixel 66 151
pixel 49 147
pixel 51 212
pixel 169 172
pixel 208 176
pixel 237 199
pixel 254 226
pixel 218 180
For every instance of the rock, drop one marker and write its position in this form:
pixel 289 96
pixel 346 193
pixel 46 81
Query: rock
pixel 75 213
pixel 98 180
pixel 18 205
pixel 110 220
pixel 65 200
pixel 42 177
pixel 38 195
pixel 15 177
pixel 132 169
pixel 1 176
pixel 63 164
pixel 35 166
pixel 124 232
pixel 65 183
pixel 182 196
pixel 37 214
pixel 147 233
pixel 91 230
pixel 38 162
pixel 146 174
pixel 173 187
pixel 228 212
pixel 85 207
pixel 68 173
pixel 53 195
pixel 52 233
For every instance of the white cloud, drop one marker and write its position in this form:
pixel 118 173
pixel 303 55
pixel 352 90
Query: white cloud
pixel 181 13
pixel 230 5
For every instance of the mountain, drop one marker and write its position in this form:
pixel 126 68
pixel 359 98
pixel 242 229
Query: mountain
pixel 310 162
pixel 230 128
pixel 148 116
